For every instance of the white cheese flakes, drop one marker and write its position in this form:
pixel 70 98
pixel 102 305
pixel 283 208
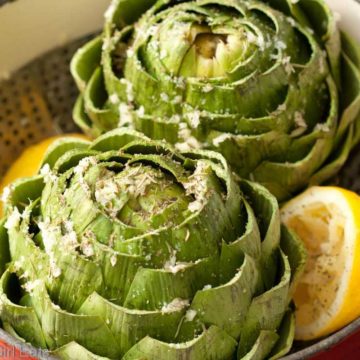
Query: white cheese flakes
pixel 175 305
pixel 13 220
pixel 221 138
pixel 46 172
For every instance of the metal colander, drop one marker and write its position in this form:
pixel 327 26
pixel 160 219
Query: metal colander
pixel 36 102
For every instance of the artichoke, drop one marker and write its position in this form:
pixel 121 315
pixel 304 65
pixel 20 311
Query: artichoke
pixel 273 86
pixel 125 248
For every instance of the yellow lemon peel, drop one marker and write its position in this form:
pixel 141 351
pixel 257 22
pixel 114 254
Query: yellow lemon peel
pixel 327 219
pixel 28 163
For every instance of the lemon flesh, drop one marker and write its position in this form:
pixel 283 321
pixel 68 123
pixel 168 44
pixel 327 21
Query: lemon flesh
pixel 327 220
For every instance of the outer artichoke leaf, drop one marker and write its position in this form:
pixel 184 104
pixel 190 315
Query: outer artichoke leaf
pixel 4 247
pixel 154 288
pixel 85 61
pixel 249 243
pixel 292 9
pixel 9 329
pixel 82 120
pixel 289 173
pixel 194 230
pixel 350 97
pixel 212 344
pixel 299 172
pixel 50 203
pixel 286 333
pixel 266 310
pixel 116 139
pixel 165 242
pixel 23 319
pixel 23 247
pixel 351 48
pixel 230 4
pixel 23 191
pixel 77 275
pixel 233 298
pixel 295 250
pixel 262 347
pixel 265 208
pixel 123 12
pixel 61 327
pixel 153 147
pixel 155 242
pixel 118 272
pixel 323 22
pixel 140 78
pixel 157 128
pixel 60 147
pixel 245 152
pixel 130 326
pixel 240 98
pixel 71 158
pixel 356 136
pixel 97 105
pixel 73 350
pixel 115 46
pixel 224 123
pixel 282 5
pixel 338 159
pixel 174 168
pixel 78 278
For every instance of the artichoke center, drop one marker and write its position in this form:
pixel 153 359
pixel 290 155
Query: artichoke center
pixel 143 197
pixel 207 44
pixel 212 52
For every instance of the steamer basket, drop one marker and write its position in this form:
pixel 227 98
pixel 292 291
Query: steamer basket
pixel 37 93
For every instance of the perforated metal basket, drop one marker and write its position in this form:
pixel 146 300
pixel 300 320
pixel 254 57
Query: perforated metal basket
pixel 37 94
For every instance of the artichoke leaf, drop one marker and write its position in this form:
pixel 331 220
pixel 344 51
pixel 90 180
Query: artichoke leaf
pixel 249 243
pixel 212 344
pixel 262 347
pixel 23 191
pixel 82 119
pixel 60 147
pixel 234 298
pixel 23 319
pixel 294 249
pixel 73 350
pixel 265 208
pixel 85 61
pixel 266 310
pixel 61 327
pixel 286 333
pixel 98 107
pixel 4 247
pixel 153 288
pixel 129 326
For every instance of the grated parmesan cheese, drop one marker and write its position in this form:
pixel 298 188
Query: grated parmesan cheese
pixel 13 220
pixel 175 305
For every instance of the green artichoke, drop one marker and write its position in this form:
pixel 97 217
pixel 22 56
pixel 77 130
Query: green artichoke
pixel 125 249
pixel 271 85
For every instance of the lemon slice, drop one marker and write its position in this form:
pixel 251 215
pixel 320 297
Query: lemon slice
pixel 28 163
pixel 327 219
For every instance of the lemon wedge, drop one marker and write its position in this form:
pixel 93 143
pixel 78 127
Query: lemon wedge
pixel 327 220
pixel 28 163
